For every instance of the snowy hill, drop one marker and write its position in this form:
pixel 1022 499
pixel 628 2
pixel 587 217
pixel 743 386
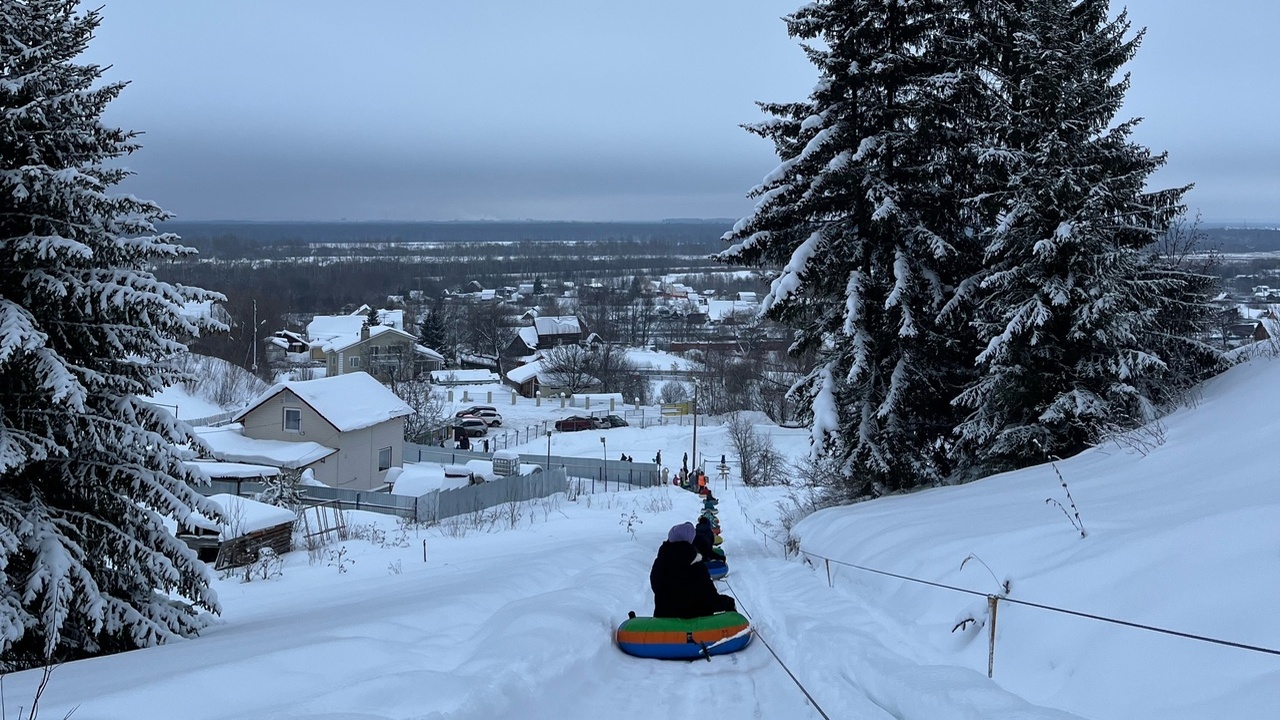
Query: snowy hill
pixel 511 616
pixel 1185 537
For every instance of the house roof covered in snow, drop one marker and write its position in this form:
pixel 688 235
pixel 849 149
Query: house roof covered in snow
pixel 464 377
pixel 243 515
pixel 324 328
pixel 718 310
pixel 350 401
pixel 525 373
pixel 228 444
pixel 343 342
pixel 557 325
pixel 232 470
pixel 529 336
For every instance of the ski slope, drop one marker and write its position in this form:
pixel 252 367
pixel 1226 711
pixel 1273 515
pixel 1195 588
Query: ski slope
pixel 516 622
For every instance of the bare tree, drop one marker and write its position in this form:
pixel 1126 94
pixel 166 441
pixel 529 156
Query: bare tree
pixel 568 367
pixel 759 461
pixel 490 328
pixel 428 408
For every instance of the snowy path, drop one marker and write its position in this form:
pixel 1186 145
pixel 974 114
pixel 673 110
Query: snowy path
pixel 518 624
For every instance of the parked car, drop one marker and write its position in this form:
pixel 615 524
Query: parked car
pixel 575 422
pixel 616 421
pixel 471 425
pixel 602 422
pixel 476 410
pixel 491 417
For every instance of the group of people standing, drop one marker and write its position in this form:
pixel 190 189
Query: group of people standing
pixel 681 582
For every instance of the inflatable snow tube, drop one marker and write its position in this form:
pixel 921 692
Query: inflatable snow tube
pixel 717 568
pixel 676 639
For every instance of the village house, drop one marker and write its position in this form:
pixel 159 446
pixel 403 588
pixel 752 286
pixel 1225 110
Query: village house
pixel 384 352
pixel 347 429
pixel 547 332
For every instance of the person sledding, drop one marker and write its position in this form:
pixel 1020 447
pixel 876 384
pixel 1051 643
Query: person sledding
pixel 682 586
pixel 704 539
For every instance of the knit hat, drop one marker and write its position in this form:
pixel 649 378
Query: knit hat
pixel 681 533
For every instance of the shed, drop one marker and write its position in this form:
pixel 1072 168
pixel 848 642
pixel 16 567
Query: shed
pixel 250 526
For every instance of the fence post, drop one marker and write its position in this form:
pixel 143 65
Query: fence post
pixel 829 583
pixel 992 602
pixel 357 501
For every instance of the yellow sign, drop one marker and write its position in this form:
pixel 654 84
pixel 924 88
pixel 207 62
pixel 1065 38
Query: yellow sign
pixel 671 409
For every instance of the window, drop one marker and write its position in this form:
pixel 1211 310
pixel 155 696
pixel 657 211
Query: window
pixel 354 361
pixel 374 349
pixel 384 458
pixel 293 420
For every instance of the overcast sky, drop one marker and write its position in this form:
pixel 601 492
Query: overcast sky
pixel 575 109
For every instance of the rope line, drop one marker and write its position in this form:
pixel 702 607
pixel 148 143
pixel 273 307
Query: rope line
pixel 1053 608
pixel 790 674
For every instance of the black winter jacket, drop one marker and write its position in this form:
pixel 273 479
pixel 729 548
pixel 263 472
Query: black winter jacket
pixel 682 587
pixel 704 539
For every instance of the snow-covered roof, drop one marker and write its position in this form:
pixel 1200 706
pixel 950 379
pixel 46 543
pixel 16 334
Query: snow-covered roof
pixel 529 335
pixel 464 377
pixel 416 479
pixel 343 342
pixel 350 401
pixel 325 328
pixel 228 444
pixel 718 310
pixel 424 350
pixel 391 318
pixel 234 470
pixel 244 516
pixel 525 372
pixel 557 325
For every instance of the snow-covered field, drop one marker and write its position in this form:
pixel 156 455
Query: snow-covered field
pixel 515 622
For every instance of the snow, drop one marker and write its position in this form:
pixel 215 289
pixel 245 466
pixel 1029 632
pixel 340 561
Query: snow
pixel 655 360
pixel 229 445
pixel 525 373
pixel 418 479
pixel 557 325
pixel 183 404
pixel 244 515
pixel 529 335
pixel 516 622
pixel 464 377
pixel 350 401
pixel 240 471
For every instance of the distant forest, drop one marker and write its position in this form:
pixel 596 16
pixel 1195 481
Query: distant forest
pixel 1242 240
pixel 260 240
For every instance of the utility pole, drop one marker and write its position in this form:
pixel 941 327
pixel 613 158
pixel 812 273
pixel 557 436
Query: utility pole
pixel 695 424
pixel 253 336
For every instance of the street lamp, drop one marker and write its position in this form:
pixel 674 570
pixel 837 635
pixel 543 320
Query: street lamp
pixel 548 451
pixel 604 468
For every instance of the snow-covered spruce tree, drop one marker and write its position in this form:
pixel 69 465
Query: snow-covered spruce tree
pixel 87 472
pixel 866 217
pixel 1073 300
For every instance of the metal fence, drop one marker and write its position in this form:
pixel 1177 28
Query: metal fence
pixel 443 504
pixel 433 506
pixel 602 474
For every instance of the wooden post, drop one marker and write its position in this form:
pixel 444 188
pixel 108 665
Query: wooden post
pixel 992 601
pixel 424 549
pixel 489 397
pixel 828 563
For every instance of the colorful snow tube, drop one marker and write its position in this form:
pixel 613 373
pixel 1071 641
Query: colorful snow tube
pixel 676 639
pixel 717 568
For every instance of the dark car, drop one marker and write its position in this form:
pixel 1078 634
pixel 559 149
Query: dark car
pixel 616 421
pixel 475 410
pixel 575 422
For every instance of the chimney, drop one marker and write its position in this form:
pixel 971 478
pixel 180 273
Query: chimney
pixel 364 332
